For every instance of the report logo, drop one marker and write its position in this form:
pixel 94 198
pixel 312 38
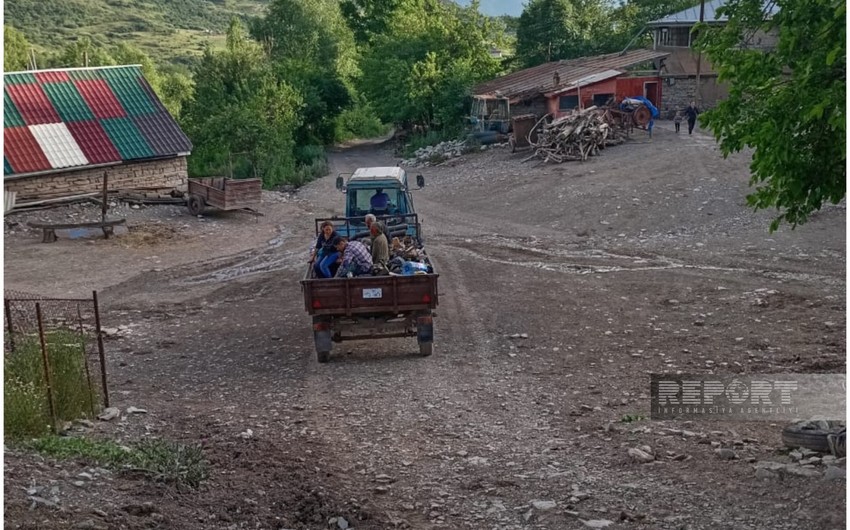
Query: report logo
pixel 767 397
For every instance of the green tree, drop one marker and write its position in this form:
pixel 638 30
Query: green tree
pixel 83 52
pixel 421 69
pixel 314 51
pixel 550 30
pixel 368 18
pixel 240 109
pixel 786 103
pixel 16 50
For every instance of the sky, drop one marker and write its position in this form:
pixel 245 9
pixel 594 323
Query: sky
pixel 498 7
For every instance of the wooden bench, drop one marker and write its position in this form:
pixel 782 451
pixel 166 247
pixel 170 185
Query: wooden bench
pixel 49 230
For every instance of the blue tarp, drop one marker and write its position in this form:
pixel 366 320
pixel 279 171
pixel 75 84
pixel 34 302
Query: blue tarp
pixel 628 104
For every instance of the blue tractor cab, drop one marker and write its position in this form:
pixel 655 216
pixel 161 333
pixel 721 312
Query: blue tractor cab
pixel 381 191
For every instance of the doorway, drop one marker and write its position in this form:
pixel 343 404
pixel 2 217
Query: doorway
pixel 650 92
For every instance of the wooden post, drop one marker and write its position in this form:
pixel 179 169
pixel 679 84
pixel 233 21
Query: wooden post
pixel 103 198
pixel 100 350
pixel 86 360
pixel 46 363
pixel 8 308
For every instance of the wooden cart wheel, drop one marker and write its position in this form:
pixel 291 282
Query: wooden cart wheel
pixel 195 204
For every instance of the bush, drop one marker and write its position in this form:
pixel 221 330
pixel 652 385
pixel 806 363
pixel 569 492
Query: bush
pixel 27 409
pixel 420 140
pixel 359 121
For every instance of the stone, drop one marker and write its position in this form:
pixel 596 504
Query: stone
pixel 134 410
pixel 726 454
pixel 763 473
pixel 801 471
pixel 597 523
pixel 640 456
pixel 109 414
pixel 544 506
pixel 835 473
pixel 341 523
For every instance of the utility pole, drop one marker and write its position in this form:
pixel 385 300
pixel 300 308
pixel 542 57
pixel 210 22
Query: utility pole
pixel 549 54
pixel 698 95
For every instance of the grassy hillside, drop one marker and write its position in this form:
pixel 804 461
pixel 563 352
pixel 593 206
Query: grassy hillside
pixel 168 30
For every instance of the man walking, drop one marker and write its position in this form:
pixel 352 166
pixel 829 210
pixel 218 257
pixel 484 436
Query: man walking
pixel 691 112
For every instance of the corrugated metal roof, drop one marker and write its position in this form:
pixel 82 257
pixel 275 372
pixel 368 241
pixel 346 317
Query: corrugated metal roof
pixel 58 145
pixel 76 117
pixel 22 151
pixel 94 142
pixel 100 98
pixel 691 14
pixel 541 79
pixel 162 134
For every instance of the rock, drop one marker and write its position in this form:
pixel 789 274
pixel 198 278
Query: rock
pixel 726 454
pixel 384 478
pixel 801 471
pixel 640 456
pixel 763 473
pixel 795 456
pixel 597 523
pixel 36 500
pixel 248 433
pixel 477 461
pixel 84 423
pixel 79 483
pixel 835 473
pixel 134 410
pixel 139 510
pixel 544 506
pixel 381 489
pixel 109 414
pixel 341 523
pixel 88 524
pixel 99 513
pixel 86 476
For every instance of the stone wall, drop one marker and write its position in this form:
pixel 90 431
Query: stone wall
pixel 165 175
pixel 683 90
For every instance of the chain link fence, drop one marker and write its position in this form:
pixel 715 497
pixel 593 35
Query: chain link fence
pixel 55 364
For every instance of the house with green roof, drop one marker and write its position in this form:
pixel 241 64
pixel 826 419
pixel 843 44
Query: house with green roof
pixel 64 129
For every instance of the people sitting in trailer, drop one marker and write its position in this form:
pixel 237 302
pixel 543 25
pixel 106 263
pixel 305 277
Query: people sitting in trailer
pixel 356 258
pixel 380 245
pixel 324 255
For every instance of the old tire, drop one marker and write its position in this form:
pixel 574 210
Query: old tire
pixel 808 438
pixel 426 348
pixel 323 356
pixel 323 345
pixel 196 204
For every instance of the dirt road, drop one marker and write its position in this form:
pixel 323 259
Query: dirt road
pixel 643 260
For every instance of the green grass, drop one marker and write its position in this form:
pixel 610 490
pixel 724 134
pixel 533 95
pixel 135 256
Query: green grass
pixel 26 406
pixel 631 418
pixel 160 460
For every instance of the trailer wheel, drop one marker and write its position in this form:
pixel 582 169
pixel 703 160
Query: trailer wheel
pixel 323 345
pixel 196 204
pixel 426 348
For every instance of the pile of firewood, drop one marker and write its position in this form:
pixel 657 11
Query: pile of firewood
pixel 578 135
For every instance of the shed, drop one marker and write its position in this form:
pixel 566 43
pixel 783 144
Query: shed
pixel 63 128
pixel 563 85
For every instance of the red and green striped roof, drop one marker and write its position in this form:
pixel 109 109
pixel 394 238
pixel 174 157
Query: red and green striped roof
pixel 72 118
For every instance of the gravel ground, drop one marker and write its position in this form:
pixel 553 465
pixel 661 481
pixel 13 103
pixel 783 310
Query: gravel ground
pixel 562 288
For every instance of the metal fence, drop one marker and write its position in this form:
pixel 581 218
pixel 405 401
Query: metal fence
pixel 66 334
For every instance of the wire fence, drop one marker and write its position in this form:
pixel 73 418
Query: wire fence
pixel 55 364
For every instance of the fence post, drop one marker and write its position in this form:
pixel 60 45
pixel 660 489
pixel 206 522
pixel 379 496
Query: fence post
pixel 8 308
pixel 86 359
pixel 46 367
pixel 100 350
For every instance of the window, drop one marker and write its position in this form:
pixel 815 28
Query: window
pixel 600 100
pixel 676 37
pixel 567 102
pixel 360 200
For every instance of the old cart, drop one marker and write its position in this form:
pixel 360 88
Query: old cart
pixel 223 193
